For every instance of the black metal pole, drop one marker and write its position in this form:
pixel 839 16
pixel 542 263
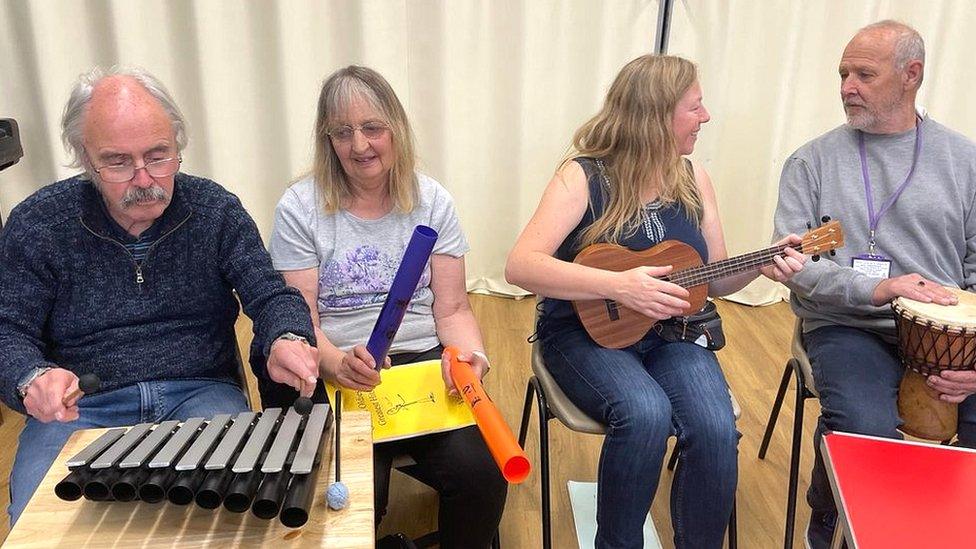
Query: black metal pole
pixel 663 27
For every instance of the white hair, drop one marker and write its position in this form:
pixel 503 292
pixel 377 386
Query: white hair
pixel 909 45
pixel 72 119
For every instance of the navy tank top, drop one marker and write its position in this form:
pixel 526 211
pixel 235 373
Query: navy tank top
pixel 659 222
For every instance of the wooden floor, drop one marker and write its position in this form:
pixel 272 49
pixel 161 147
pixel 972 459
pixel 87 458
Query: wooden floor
pixel 753 361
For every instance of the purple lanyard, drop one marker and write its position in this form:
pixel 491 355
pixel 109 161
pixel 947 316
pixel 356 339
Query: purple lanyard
pixel 875 217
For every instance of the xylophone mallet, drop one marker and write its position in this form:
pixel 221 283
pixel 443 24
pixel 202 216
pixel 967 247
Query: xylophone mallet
pixel 303 404
pixel 87 383
pixel 337 495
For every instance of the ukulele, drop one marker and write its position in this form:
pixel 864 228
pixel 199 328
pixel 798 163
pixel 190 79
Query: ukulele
pixel 612 325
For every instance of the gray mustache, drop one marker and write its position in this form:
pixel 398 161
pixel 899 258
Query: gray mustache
pixel 136 195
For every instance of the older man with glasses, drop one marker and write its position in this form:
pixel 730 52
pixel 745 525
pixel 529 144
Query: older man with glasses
pixel 128 272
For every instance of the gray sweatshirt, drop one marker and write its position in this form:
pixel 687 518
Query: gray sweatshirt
pixel 929 230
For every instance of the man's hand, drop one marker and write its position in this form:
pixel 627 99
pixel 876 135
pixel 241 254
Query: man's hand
pixel 357 369
pixel 478 364
pixel 953 386
pixel 786 265
pixel 294 363
pixel 912 286
pixel 43 399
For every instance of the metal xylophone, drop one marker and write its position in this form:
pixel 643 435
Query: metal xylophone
pixel 266 461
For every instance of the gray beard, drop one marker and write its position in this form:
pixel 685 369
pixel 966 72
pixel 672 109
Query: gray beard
pixel 868 120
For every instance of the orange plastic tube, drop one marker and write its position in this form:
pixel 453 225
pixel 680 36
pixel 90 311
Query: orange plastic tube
pixel 509 456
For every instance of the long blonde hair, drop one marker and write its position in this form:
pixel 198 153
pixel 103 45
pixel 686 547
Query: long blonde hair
pixel 339 91
pixel 633 136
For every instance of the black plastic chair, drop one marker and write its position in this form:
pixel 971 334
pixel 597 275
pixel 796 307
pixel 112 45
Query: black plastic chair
pixel 553 403
pixel 798 366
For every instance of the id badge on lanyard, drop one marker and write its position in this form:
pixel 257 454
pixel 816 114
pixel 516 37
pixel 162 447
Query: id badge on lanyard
pixel 872 263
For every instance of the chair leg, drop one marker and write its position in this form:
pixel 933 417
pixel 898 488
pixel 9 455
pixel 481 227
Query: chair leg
pixel 526 412
pixel 777 404
pixel 733 535
pixel 673 460
pixel 544 467
pixel 794 461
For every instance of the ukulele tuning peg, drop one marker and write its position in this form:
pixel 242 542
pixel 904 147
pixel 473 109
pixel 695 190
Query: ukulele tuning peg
pixel 825 219
pixel 815 258
pixel 832 253
pixel 809 226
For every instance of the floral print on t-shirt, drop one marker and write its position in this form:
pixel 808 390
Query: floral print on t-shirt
pixel 362 276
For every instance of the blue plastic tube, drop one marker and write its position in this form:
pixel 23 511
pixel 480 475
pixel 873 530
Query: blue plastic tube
pixel 404 285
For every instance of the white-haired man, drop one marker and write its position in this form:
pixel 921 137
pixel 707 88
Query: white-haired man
pixel 128 272
pixel 904 187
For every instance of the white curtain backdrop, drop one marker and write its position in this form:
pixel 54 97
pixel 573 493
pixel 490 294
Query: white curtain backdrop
pixel 769 75
pixel 494 89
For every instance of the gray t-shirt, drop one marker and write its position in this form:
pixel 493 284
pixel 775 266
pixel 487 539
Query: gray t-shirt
pixel 358 258
pixel 929 230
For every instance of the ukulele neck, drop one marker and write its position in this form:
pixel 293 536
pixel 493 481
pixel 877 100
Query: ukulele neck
pixel 725 268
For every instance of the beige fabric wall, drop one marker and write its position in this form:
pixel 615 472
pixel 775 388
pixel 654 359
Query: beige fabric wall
pixel 494 88
pixel 769 75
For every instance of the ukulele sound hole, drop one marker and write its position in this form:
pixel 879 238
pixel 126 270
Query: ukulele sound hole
pixel 612 311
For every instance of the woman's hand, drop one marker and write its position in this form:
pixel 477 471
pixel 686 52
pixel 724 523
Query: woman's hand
pixel 357 369
pixel 476 359
pixel 641 289
pixel 786 265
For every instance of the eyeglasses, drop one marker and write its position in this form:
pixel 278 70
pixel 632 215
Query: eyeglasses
pixel 371 131
pixel 125 172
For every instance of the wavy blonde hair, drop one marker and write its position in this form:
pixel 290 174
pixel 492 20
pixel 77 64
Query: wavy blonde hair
pixel 633 136
pixel 339 91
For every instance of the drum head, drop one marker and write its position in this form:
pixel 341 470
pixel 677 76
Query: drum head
pixel 959 316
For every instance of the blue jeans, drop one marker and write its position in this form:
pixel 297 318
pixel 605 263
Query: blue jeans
pixel 857 375
pixel 642 394
pixel 152 401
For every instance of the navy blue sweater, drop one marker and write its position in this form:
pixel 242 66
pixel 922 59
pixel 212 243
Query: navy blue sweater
pixel 72 296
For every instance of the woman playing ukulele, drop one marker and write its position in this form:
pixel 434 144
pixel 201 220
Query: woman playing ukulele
pixel 629 184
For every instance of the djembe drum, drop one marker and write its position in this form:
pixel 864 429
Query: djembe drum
pixel 932 338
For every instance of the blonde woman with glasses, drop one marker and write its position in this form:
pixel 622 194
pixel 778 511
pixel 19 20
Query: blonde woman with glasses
pixel 338 237
pixel 628 183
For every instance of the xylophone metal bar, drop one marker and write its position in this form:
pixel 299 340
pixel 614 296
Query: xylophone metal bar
pixel 189 476
pixel 305 469
pixel 153 490
pixel 219 476
pixel 267 500
pixel 135 472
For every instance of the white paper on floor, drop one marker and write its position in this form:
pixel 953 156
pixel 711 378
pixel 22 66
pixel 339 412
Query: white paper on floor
pixel 582 498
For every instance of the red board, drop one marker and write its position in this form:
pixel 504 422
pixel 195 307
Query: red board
pixel 903 494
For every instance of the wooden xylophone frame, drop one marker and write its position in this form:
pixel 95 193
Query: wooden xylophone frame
pixel 264 461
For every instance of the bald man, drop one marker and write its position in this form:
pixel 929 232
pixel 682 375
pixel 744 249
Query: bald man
pixel 128 272
pixel 904 188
